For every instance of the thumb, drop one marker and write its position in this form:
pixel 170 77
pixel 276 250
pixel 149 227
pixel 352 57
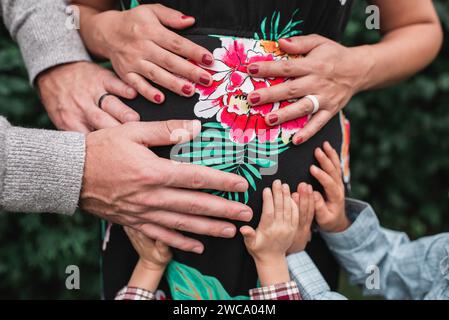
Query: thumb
pixel 302 44
pixel 162 247
pixel 249 235
pixel 172 18
pixel 163 133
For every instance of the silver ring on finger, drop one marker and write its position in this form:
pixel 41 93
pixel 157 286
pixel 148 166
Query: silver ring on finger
pixel 103 96
pixel 315 102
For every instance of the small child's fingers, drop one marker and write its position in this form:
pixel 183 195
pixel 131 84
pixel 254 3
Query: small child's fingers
pixel 295 197
pixel 303 203
pixel 162 247
pixel 267 207
pixel 249 235
pixel 287 212
pixel 326 164
pixel 130 232
pixel 329 184
pixel 332 154
pixel 311 208
pixel 295 213
pixel 320 204
pixel 278 198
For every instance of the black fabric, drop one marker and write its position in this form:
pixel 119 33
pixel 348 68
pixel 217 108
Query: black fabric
pixel 227 259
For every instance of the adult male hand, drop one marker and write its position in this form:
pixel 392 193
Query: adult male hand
pixel 126 183
pixel 70 94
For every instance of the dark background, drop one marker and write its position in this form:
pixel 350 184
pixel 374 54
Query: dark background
pixel 399 162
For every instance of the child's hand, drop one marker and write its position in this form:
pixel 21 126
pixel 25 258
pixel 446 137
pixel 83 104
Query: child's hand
pixel 277 226
pixel 154 255
pixel 274 235
pixel 330 213
pixel 306 204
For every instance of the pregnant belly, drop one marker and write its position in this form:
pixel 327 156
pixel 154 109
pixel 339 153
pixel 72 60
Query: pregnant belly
pixel 236 139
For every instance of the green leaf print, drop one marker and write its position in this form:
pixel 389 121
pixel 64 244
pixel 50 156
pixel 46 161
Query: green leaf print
pixel 187 283
pixel 222 153
pixel 274 33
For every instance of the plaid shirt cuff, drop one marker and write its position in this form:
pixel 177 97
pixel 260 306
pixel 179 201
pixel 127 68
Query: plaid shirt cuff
pixel 281 291
pixel 130 293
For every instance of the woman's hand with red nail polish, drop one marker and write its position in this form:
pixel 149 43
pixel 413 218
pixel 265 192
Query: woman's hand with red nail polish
pixel 325 70
pixel 141 47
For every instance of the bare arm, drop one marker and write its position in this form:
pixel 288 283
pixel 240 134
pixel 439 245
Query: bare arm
pixel 412 35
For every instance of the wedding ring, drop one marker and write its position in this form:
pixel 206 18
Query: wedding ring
pixel 100 101
pixel 316 103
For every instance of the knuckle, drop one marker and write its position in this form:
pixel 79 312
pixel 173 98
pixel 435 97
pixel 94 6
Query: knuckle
pixel 194 207
pixel 308 106
pixel 197 180
pixel 181 224
pixel 151 177
pixel 167 62
pixel 151 74
pixel 287 67
pixel 97 117
pixel 292 91
pixel 176 44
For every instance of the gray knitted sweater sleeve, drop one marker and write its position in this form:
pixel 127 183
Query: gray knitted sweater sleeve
pixel 44 33
pixel 40 170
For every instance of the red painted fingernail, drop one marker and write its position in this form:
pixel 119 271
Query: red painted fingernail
pixel 272 118
pixel 204 80
pixel 287 39
pixel 186 17
pixel 207 59
pixel 255 98
pixel 253 69
pixel 187 89
pixel 298 140
pixel 157 98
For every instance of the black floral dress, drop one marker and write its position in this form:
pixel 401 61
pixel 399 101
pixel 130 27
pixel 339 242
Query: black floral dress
pixel 235 137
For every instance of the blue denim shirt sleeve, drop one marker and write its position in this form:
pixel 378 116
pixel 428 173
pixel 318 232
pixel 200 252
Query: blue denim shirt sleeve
pixel 383 261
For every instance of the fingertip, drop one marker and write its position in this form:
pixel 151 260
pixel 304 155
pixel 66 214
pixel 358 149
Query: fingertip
pixel 309 189
pixel 300 187
pixel 266 192
pixel 285 40
pixel 188 90
pixel 199 249
pixel 297 140
pixel 158 98
pixel 186 21
pixel 207 59
pixel 242 184
pixel 245 230
pixel 254 98
pixel 252 69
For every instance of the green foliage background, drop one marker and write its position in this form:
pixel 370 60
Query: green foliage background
pixel 399 161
